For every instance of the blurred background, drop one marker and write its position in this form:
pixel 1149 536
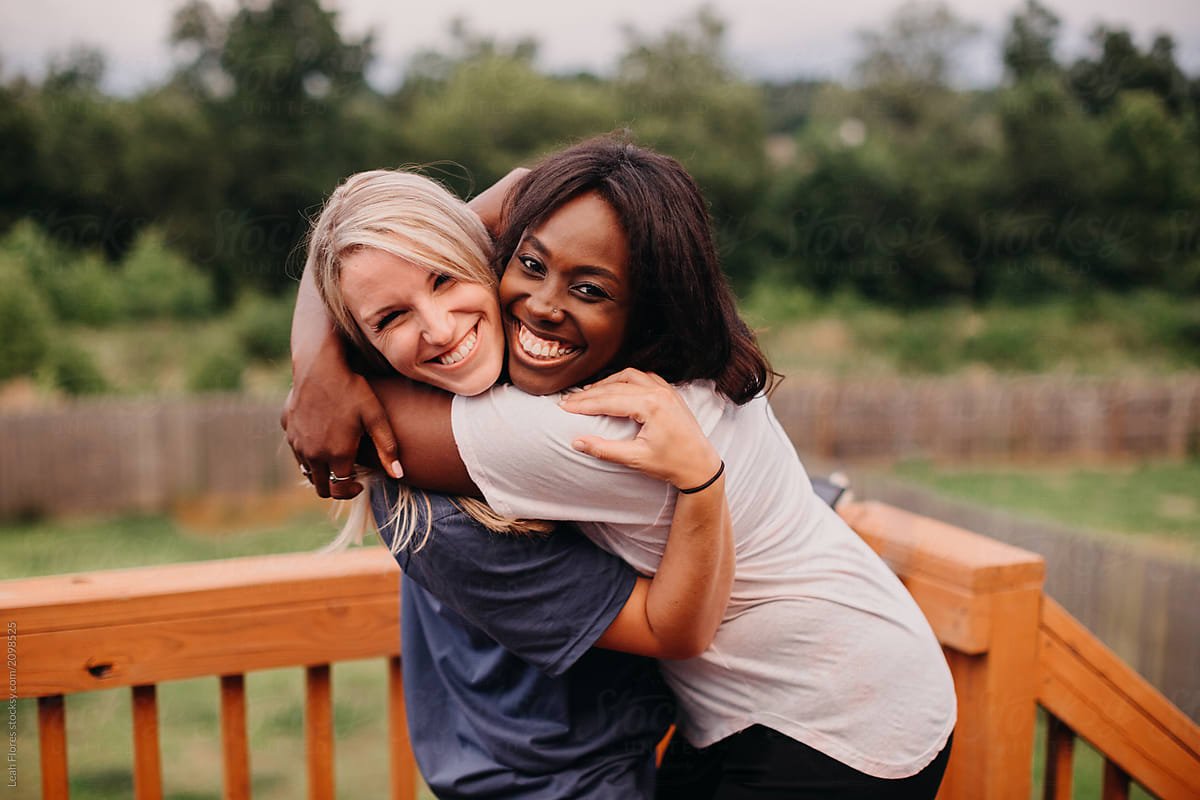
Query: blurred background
pixel 968 233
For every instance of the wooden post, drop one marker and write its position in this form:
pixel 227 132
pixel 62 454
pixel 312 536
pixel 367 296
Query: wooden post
pixel 983 600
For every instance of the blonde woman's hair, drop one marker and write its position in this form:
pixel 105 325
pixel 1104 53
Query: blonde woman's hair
pixel 415 218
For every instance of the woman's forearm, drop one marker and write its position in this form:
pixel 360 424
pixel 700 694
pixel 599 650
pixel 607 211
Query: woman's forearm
pixel 419 417
pixel 676 614
pixel 314 337
pixel 686 600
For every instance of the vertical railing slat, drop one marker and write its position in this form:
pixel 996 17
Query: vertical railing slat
pixel 147 762
pixel 233 737
pixel 318 724
pixel 404 765
pixel 1060 751
pixel 1116 782
pixel 52 741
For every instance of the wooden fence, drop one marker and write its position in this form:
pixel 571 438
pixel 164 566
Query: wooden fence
pixel 116 455
pixel 1076 419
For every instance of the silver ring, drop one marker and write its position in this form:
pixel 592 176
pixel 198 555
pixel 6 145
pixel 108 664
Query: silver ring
pixel 337 479
pixel 306 472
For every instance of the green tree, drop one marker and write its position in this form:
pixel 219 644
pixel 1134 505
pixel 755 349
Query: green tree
pixel 679 94
pixel 1029 42
pixel 483 108
pixel 277 81
pixel 1118 65
pixel 918 46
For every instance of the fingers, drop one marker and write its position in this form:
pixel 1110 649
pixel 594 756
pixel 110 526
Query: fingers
pixel 320 476
pixel 630 453
pixel 343 489
pixel 615 400
pixel 376 424
pixel 630 375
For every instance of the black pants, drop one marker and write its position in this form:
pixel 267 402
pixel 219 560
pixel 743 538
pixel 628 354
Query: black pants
pixel 760 763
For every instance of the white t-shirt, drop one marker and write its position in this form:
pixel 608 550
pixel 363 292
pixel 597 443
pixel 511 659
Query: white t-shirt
pixel 820 640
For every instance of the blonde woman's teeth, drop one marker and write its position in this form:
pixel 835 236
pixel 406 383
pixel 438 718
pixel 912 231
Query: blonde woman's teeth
pixel 459 353
pixel 538 347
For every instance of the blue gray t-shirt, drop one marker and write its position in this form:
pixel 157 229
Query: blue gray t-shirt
pixel 504 693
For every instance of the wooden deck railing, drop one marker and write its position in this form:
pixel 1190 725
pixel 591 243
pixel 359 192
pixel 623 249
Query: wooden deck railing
pixel 140 627
pixel 1010 650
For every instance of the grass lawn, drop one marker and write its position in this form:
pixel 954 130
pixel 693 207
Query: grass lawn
pixel 1156 502
pixel 100 747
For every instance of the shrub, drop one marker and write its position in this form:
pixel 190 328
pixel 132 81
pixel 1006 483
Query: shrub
pixel 157 282
pixel 263 326
pixel 217 370
pixel 87 291
pixel 24 321
pixel 1009 342
pixel 41 258
pixel 72 369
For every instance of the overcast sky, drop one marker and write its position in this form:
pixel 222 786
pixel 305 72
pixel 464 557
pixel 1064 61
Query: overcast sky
pixel 764 39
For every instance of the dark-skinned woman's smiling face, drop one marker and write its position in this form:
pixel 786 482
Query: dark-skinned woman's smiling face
pixel 566 297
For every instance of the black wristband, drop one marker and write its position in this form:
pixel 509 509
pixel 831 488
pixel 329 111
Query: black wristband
pixel 707 483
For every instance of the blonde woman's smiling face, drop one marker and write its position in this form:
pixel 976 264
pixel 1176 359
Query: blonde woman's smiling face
pixel 430 327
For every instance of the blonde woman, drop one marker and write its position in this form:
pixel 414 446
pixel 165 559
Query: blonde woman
pixel 506 696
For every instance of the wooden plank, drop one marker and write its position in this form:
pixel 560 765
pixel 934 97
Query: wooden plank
pixel 1060 763
pixel 913 546
pixel 175 591
pixel 231 642
pixel 1117 711
pixel 996 692
pixel 233 737
pixel 318 728
pixel 960 618
pixel 147 761
pixel 52 743
pixel 1078 639
pixel 404 764
pixel 1116 782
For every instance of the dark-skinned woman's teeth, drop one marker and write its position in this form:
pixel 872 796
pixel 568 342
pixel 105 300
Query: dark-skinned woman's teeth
pixel 537 347
pixel 459 353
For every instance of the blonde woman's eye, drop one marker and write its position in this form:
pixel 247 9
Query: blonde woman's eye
pixel 442 279
pixel 386 320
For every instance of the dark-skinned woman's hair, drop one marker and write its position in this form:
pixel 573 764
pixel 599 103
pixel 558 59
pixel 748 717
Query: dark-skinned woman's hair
pixel 684 323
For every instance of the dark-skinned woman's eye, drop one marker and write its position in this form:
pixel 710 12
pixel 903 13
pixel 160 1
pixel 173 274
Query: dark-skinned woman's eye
pixel 592 291
pixel 531 265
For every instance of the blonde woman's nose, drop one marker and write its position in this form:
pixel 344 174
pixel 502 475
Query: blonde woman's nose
pixel 438 325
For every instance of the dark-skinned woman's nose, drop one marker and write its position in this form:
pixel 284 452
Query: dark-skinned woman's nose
pixel 543 306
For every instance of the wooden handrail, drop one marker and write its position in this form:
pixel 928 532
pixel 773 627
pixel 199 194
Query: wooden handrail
pixel 128 627
pixel 1099 697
